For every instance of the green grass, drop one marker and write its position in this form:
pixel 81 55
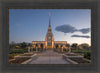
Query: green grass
pixel 17 51
pixel 80 50
pixel 11 56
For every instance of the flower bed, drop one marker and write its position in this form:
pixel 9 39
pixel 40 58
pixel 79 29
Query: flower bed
pixel 18 61
pixel 80 60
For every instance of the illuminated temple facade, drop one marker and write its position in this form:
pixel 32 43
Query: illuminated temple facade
pixel 49 42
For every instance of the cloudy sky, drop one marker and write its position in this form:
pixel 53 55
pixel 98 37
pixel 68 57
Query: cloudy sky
pixel 71 25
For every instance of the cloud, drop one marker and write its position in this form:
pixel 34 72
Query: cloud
pixel 85 30
pixel 80 36
pixel 70 29
pixel 66 28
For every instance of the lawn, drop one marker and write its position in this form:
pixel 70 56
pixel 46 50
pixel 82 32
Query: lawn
pixel 79 51
pixel 18 51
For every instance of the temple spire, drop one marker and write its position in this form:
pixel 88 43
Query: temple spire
pixel 49 28
pixel 49 19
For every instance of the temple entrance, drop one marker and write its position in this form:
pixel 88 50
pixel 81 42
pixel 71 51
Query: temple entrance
pixel 49 47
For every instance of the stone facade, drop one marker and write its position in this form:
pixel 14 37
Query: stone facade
pixel 49 40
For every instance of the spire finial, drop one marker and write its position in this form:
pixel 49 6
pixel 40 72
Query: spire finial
pixel 49 14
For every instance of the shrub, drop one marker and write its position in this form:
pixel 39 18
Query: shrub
pixel 79 60
pixel 65 50
pixel 34 49
pixel 11 56
pixel 87 55
pixel 80 50
pixel 18 51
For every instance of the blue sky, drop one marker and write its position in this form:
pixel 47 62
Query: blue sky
pixel 27 25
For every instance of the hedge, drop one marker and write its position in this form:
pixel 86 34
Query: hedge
pixel 17 51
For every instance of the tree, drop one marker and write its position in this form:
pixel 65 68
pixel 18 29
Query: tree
pixel 61 45
pixel 36 45
pixel 68 45
pixel 42 46
pixel 74 45
pixel 29 44
pixel 23 45
pixel 61 49
pixel 69 48
pixel 56 46
pixel 85 46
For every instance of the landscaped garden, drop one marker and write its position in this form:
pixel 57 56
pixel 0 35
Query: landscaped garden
pixel 19 51
pixel 87 55
pixel 11 56
pixel 65 50
pixel 80 60
pixel 18 61
pixel 71 54
pixel 79 56
pixel 19 58
pixel 79 50
pixel 27 54
pixel 18 55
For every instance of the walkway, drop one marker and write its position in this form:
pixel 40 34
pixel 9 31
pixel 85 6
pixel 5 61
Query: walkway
pixel 49 57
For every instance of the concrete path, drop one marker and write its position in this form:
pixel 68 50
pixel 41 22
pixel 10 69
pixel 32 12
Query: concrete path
pixel 49 57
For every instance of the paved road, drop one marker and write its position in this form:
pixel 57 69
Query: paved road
pixel 49 57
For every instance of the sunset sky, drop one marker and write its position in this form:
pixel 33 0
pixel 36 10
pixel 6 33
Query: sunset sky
pixel 71 25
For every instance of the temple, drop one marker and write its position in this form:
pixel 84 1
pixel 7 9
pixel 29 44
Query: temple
pixel 49 42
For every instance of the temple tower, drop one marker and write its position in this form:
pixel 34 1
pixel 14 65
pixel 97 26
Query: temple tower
pixel 49 39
